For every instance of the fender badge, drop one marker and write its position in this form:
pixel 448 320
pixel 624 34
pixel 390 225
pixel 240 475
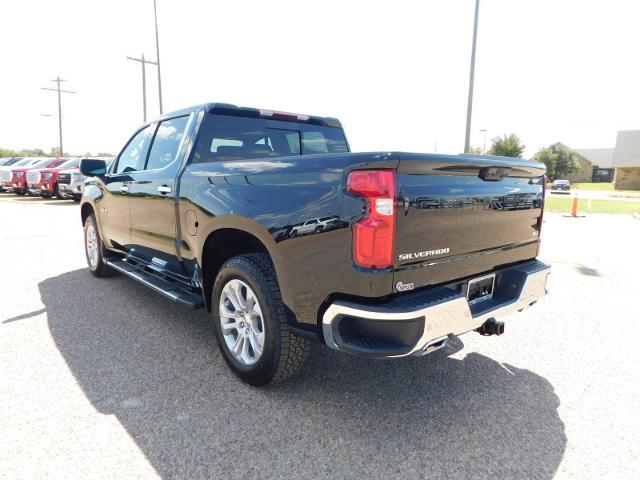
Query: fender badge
pixel 404 287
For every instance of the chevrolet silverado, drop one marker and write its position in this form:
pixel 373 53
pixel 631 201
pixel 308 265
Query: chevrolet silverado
pixel 219 207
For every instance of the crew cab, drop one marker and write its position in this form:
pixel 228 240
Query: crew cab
pixel 44 181
pixel 201 205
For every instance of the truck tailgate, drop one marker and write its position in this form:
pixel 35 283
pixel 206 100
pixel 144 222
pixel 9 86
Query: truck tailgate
pixel 460 216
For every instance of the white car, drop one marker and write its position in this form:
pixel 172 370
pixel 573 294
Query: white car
pixel 315 225
pixel 71 182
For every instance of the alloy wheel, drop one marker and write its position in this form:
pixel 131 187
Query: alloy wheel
pixel 242 322
pixel 91 242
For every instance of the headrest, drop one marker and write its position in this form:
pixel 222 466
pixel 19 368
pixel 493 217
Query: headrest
pixel 229 151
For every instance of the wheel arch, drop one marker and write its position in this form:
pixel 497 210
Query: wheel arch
pixel 86 209
pixel 229 241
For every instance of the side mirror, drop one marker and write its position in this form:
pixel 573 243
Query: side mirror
pixel 91 167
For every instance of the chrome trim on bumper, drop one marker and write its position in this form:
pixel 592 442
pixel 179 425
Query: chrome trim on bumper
pixel 453 316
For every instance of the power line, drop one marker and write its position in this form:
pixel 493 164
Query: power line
pixel 143 62
pixel 59 80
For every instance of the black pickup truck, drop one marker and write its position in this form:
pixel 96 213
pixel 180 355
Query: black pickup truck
pixel 268 221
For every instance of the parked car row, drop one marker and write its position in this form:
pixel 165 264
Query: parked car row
pixel 43 176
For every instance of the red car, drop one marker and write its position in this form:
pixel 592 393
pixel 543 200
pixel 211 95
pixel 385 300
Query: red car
pixel 44 181
pixel 16 180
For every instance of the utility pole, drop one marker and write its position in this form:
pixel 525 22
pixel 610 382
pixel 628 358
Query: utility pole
pixel 155 17
pixel 471 78
pixel 59 80
pixel 143 62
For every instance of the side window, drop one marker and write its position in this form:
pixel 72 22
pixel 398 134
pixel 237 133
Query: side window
pixel 166 142
pixel 134 154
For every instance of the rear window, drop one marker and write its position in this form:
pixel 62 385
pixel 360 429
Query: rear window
pixel 225 138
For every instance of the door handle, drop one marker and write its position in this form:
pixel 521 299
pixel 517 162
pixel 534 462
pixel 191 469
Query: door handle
pixel 124 188
pixel 164 189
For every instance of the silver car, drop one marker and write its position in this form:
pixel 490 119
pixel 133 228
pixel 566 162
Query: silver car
pixel 71 181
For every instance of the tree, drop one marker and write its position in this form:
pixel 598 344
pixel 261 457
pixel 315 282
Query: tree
pixel 559 160
pixel 507 146
pixel 25 152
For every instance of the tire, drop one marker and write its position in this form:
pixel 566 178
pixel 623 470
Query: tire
pixel 96 264
pixel 282 354
pixel 76 199
pixel 57 193
pixel 318 229
pixel 19 192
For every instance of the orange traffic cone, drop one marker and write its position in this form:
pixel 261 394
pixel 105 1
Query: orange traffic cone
pixel 574 209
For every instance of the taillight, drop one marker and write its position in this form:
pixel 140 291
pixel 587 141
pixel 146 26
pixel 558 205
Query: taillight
pixel 374 235
pixel 544 193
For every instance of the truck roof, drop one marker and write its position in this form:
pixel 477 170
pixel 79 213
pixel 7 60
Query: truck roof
pixel 230 109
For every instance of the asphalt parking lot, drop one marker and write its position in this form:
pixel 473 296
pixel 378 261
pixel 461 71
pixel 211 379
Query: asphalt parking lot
pixel 101 378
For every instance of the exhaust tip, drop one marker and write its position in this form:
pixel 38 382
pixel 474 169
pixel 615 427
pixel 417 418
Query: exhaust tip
pixel 435 344
pixel 491 327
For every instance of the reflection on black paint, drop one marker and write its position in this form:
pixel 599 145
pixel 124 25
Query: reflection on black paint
pixel 504 202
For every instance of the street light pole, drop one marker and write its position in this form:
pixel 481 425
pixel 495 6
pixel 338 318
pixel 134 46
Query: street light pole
pixel 143 62
pixel 471 78
pixel 484 141
pixel 155 17
pixel 58 80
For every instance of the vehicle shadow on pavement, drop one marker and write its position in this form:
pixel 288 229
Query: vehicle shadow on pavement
pixel 155 367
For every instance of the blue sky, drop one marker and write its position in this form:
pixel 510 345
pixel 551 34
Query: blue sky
pixel 395 73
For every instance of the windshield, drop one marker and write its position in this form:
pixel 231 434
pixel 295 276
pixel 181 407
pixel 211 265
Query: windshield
pixel 225 137
pixel 23 162
pixel 73 163
pixel 41 163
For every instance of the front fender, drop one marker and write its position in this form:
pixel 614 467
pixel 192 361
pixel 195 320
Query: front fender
pixel 91 198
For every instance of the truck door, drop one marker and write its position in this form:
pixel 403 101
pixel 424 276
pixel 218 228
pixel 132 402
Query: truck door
pixel 115 220
pixel 153 198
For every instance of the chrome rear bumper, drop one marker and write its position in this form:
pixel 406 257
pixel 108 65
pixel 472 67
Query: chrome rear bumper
pixel 420 322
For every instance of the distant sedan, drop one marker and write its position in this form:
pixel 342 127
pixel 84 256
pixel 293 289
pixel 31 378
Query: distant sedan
pixel 561 186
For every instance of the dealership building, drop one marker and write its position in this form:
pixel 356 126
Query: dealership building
pixel 620 165
pixel 626 160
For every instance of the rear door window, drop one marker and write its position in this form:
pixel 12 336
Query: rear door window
pixel 166 142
